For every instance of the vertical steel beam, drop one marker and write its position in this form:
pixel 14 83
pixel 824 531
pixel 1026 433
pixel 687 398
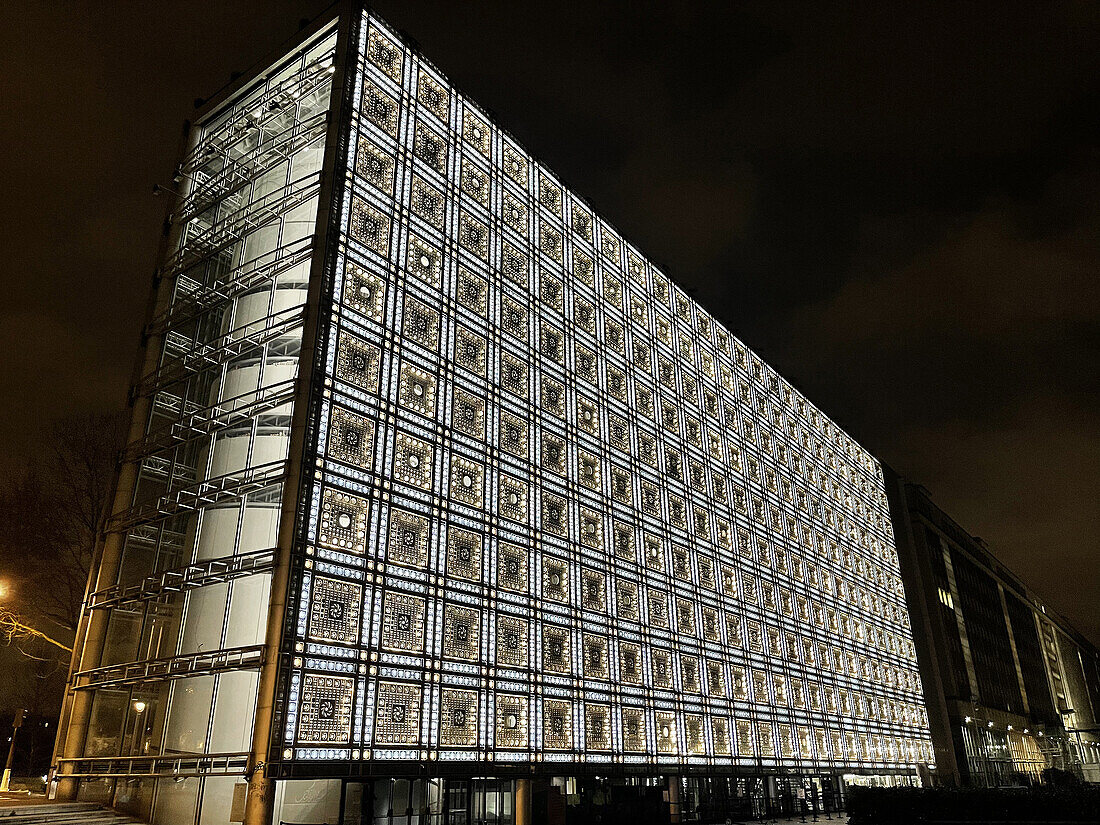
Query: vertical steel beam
pixel 88 650
pixel 259 805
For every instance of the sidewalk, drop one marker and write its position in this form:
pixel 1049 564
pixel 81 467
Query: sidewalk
pixel 837 819
pixel 18 799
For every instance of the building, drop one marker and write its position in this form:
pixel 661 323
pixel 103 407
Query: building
pixel 1011 687
pixel 443 501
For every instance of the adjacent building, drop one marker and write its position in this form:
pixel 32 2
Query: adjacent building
pixel 1012 689
pixel 442 500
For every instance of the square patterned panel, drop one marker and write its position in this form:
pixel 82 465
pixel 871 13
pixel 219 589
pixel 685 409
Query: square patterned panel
pixel 557 724
pixel 555 579
pixel 633 729
pixel 458 718
pixel 420 324
pixel 511 648
pixel 661 669
pixel 597 727
pixel 595 657
pixel 324 713
pixel 334 611
pixel 513 435
pixel 694 738
pixel 413 460
pixel 467 481
pixel 511 721
pixel 556 654
pixel 364 292
pixel 512 502
pixel 689 674
pixel 630 663
pixel 464 554
pixel 468 414
pixel 403 623
pixel 416 390
pixel 369 227
pixel 593 595
pixel 626 600
pixel 384 53
pixel 343 522
pixel 666 733
pixel 512 568
pixel 397 714
pixel 351 438
pixel 461 632
pixel 408 539
pixel 357 362
pixel 720 735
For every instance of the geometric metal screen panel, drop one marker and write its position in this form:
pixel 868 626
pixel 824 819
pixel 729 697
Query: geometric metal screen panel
pixel 560 514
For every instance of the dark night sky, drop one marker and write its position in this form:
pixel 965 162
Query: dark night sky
pixel 897 204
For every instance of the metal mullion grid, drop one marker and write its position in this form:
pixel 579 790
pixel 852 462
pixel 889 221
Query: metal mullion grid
pixel 610 359
pixel 571 205
pixel 462 153
pixel 364 133
pixel 600 228
pixel 363 128
pixel 563 195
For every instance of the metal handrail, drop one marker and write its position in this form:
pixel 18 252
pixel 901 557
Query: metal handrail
pixel 179 579
pixel 201 422
pixel 171 667
pixel 204 493
pixel 229 345
pixel 221 288
pixel 160 764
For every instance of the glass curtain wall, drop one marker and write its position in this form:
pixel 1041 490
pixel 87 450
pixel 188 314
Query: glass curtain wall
pixel 179 668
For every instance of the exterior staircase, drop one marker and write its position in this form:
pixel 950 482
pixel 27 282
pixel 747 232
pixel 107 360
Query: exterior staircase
pixel 62 813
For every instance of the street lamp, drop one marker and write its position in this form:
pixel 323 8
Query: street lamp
pixel 17 722
pixel 139 708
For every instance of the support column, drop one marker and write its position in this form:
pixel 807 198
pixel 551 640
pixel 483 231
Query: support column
pixel 260 799
pixel 523 802
pixel 674 814
pixel 92 628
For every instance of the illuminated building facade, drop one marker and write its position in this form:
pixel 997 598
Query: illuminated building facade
pixel 1011 687
pixel 435 475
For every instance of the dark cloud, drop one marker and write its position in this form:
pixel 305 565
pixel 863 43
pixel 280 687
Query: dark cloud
pixel 896 203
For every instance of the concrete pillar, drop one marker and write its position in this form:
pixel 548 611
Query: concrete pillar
pixel 523 802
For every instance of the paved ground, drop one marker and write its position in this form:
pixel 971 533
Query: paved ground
pixel 12 799
pixel 837 819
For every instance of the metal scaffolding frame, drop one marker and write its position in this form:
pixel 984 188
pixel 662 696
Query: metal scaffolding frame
pixel 170 667
pixel 239 172
pixel 232 228
pixel 193 424
pixel 231 345
pixel 162 764
pixel 187 577
pixel 195 297
pixel 202 494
